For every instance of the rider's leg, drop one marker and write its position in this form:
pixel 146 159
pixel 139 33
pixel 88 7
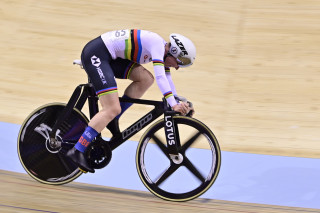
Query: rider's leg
pixel 97 62
pixel 110 109
pixel 141 79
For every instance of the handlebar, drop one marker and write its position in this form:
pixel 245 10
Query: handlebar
pixel 169 110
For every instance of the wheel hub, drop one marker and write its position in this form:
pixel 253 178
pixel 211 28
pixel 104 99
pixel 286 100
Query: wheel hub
pixel 53 145
pixel 177 159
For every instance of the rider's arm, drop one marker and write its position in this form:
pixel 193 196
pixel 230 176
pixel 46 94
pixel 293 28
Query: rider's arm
pixel 156 46
pixel 162 81
pixel 168 75
pixel 164 86
pixel 178 98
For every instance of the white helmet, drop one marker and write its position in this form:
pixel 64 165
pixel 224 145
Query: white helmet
pixel 182 49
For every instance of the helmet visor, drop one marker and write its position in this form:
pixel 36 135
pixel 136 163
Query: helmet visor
pixel 183 61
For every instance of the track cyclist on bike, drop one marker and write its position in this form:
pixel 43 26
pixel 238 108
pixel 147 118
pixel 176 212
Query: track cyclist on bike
pixel 119 54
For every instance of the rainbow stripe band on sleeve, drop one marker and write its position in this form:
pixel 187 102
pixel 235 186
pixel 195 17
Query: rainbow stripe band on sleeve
pixel 167 69
pixel 107 91
pixel 168 94
pixel 133 48
pixel 158 62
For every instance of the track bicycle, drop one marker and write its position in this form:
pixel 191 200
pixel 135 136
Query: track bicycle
pixel 178 157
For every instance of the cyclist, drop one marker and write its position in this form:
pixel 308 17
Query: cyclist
pixel 119 54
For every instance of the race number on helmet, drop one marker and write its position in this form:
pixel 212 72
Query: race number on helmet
pixel 182 49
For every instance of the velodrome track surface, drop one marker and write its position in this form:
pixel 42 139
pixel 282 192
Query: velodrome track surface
pixel 249 178
pixel 255 83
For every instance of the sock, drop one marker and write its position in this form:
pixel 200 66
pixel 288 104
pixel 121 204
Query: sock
pixel 124 106
pixel 88 135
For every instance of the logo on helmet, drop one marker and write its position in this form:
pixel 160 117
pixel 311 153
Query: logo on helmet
pixel 174 50
pixel 180 45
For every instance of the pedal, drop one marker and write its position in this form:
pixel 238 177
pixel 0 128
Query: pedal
pixel 83 170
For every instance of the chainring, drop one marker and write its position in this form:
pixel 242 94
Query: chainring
pixel 99 154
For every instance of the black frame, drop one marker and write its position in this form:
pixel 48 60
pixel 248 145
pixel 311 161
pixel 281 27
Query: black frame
pixel 84 92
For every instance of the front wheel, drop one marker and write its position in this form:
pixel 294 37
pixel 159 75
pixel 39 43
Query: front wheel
pixel 43 158
pixel 188 175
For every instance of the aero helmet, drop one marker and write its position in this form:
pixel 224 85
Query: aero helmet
pixel 182 49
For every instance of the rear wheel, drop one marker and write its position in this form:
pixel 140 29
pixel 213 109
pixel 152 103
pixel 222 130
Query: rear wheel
pixel 188 175
pixel 42 158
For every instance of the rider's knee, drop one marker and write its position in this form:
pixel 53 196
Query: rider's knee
pixel 115 110
pixel 111 111
pixel 149 81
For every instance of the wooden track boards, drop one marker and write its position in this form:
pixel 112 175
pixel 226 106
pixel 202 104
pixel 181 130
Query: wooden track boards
pixel 20 193
pixel 255 81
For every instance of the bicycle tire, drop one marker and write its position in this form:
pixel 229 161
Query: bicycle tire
pixel 41 161
pixel 161 168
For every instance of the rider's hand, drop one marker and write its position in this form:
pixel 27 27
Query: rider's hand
pixel 191 112
pixel 182 108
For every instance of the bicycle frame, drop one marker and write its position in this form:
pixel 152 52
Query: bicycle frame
pixel 84 92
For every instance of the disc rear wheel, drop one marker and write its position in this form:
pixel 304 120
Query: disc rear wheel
pixel 43 158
